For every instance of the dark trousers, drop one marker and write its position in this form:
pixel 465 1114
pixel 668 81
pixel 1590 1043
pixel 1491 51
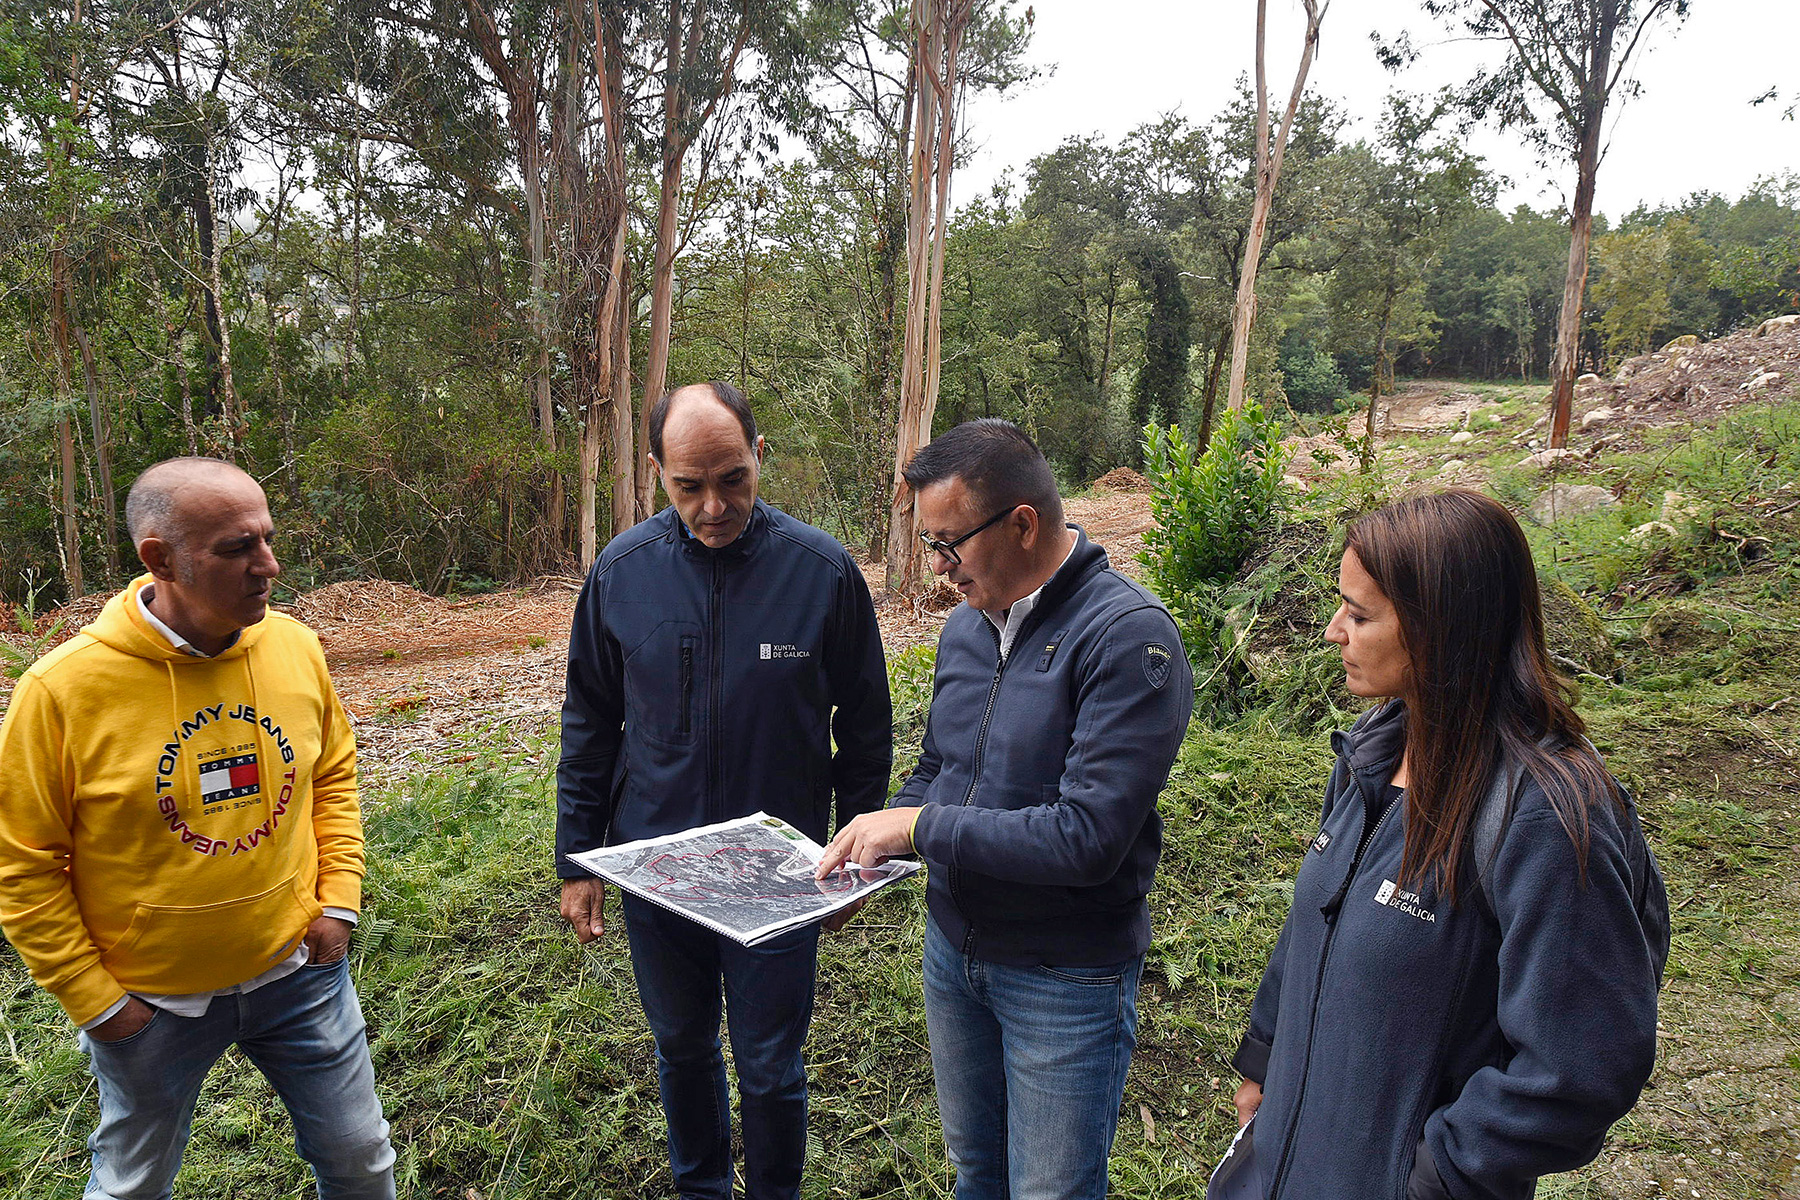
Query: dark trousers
pixel 682 969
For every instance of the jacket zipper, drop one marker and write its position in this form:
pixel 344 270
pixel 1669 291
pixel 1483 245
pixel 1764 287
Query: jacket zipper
pixel 716 621
pixel 687 687
pixel 1330 911
pixel 987 715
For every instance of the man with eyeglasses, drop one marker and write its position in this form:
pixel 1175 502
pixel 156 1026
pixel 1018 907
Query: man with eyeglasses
pixel 1062 693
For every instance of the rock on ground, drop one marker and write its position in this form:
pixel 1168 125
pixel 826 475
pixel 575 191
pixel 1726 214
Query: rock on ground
pixel 1546 458
pixel 1575 632
pixel 1561 501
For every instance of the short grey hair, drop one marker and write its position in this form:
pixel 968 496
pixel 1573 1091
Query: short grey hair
pixel 150 505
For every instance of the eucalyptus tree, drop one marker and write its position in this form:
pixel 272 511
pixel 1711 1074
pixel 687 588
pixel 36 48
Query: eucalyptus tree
pixel 1564 62
pixel 713 55
pixel 1271 149
pixel 857 122
pixel 1225 214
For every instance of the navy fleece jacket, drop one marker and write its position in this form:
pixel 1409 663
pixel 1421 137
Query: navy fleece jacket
pixel 1391 1024
pixel 1040 771
pixel 707 684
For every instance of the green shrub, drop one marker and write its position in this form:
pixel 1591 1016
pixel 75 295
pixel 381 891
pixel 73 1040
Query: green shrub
pixel 1209 509
pixel 34 638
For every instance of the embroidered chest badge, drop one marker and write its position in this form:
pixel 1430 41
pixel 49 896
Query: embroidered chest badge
pixel 1391 895
pixel 1158 661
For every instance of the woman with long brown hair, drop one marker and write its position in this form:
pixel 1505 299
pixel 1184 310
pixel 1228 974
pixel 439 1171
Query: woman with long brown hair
pixel 1463 997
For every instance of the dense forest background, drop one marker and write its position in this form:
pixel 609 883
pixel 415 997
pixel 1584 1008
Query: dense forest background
pixel 353 244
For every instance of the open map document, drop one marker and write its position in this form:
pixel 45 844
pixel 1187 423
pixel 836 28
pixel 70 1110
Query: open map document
pixel 748 879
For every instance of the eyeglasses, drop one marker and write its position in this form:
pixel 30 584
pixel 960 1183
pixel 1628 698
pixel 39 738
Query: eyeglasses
pixel 948 549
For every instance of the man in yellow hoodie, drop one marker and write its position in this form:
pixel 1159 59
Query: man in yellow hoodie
pixel 181 851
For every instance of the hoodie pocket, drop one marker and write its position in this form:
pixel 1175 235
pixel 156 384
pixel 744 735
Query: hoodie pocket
pixel 176 949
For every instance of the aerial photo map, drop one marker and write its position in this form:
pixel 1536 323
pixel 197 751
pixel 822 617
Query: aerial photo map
pixel 748 879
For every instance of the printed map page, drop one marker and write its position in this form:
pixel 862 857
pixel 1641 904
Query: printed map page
pixel 749 879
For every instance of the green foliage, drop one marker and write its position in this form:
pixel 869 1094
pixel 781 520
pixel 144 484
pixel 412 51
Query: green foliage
pixel 385 322
pixel 16 656
pixel 1311 378
pixel 1209 509
pixel 1496 290
pixel 910 678
pixel 30 638
pixel 1652 286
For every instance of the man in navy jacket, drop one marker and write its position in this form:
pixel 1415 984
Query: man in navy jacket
pixel 1061 697
pixel 718 650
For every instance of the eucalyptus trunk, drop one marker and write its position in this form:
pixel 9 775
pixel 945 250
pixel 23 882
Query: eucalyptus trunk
pixel 1565 364
pixel 938 28
pixel 71 527
pixel 1268 175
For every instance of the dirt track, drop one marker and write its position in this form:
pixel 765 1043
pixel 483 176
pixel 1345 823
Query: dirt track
pixel 412 668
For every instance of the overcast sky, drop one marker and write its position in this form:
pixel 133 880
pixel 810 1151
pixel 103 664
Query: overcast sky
pixel 1118 63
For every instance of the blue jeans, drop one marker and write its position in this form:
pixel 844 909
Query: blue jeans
pixel 1030 1065
pixel 305 1033
pixel 681 970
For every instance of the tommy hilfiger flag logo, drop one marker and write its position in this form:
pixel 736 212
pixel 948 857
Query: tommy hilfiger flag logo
pixel 228 779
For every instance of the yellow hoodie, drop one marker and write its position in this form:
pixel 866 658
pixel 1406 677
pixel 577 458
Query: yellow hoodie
pixel 172 824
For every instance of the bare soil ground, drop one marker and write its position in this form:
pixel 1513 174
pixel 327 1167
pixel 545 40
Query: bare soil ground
pixel 412 668
pixel 1698 383
pixel 1428 404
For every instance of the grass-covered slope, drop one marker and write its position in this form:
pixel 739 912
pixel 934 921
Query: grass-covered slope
pixel 515 1064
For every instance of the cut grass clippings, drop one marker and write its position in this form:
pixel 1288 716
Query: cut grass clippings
pixel 516 1064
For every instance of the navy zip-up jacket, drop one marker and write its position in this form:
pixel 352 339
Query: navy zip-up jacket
pixel 1039 772
pixel 709 684
pixel 1484 1046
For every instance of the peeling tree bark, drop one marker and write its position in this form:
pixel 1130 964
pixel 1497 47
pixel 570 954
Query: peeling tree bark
pixel 1565 364
pixel 71 527
pixel 938 28
pixel 1268 174
pixel 1573 56
pixel 599 219
pixel 683 44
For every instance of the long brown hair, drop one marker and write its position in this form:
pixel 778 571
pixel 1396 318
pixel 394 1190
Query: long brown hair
pixel 1457 568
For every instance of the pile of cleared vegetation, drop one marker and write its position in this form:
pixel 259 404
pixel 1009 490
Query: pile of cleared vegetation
pixel 1122 479
pixel 1692 380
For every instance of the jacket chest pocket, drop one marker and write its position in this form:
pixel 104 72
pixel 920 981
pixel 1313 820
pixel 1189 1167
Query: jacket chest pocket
pixel 665 683
pixel 684 725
